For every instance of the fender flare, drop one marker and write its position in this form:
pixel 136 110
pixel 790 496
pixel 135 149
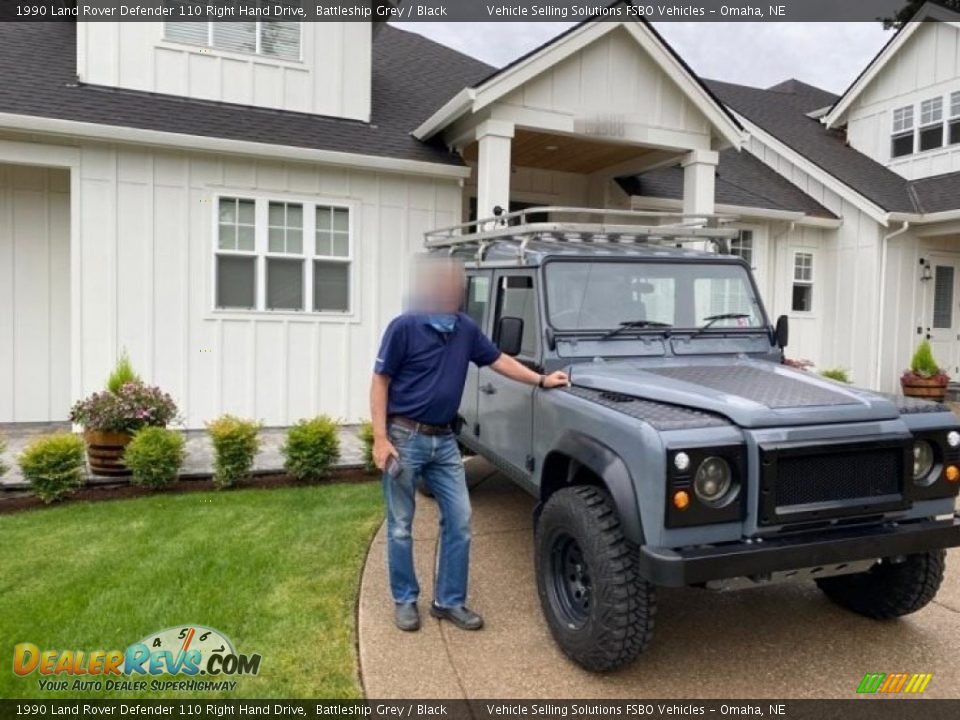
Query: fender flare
pixel 610 468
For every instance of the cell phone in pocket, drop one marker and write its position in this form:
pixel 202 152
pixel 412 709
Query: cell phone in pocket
pixel 393 467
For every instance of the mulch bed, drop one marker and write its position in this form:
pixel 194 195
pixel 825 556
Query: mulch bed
pixel 123 490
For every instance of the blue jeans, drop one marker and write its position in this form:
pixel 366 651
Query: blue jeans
pixel 435 459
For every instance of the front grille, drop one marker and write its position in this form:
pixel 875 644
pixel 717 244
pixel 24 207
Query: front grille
pixel 841 476
pixel 810 483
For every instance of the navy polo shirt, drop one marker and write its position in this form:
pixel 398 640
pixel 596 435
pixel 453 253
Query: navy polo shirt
pixel 427 368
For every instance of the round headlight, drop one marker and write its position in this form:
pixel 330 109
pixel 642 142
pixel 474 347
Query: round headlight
pixel 953 438
pixel 681 461
pixel 713 481
pixel 922 459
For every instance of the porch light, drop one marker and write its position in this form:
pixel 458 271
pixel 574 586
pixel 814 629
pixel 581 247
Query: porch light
pixel 927 272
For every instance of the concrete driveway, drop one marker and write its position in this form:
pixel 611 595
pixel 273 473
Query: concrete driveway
pixel 778 642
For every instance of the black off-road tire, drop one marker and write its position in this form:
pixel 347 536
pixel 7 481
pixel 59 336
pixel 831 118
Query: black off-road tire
pixel 889 590
pixel 612 622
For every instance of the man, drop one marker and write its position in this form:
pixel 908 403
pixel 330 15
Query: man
pixel 417 383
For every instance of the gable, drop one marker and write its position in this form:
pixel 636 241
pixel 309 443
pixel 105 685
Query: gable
pixel 612 76
pixel 926 54
pixel 622 71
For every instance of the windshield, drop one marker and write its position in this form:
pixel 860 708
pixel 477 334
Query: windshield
pixel 607 295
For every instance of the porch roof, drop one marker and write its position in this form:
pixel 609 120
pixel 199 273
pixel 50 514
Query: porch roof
pixel 741 181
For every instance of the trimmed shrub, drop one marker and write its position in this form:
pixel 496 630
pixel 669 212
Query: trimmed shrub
pixel 3 449
pixel 922 363
pixel 122 374
pixel 54 465
pixel 155 456
pixel 312 447
pixel 235 444
pixel 838 374
pixel 366 437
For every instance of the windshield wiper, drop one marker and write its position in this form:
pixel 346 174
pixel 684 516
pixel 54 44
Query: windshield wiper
pixel 632 324
pixel 710 320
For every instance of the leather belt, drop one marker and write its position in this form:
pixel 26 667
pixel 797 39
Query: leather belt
pixel 419 427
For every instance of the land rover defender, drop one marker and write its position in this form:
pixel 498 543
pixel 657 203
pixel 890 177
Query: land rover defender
pixel 685 452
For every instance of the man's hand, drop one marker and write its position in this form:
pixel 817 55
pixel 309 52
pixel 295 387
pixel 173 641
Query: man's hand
pixel 556 379
pixel 383 449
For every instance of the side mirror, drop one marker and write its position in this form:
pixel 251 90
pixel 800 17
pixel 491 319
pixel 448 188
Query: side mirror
pixel 510 335
pixel 782 332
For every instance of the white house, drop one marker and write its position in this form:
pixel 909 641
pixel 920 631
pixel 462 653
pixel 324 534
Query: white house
pixel 233 205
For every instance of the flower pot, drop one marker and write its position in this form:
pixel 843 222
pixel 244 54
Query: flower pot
pixel 105 452
pixel 927 388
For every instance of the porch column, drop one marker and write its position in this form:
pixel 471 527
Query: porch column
pixel 494 138
pixel 699 169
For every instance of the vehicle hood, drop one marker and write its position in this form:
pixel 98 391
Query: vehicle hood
pixel 752 394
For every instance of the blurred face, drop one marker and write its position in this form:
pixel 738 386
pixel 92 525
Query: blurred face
pixel 439 286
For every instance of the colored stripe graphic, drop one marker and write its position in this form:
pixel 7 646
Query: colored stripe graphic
pixel 894 683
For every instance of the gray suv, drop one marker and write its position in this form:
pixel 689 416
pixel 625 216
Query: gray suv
pixel 685 453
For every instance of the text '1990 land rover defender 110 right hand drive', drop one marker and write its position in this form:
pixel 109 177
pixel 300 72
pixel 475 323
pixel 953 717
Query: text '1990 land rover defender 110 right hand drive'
pixel 684 452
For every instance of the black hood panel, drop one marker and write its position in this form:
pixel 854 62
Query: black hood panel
pixel 759 386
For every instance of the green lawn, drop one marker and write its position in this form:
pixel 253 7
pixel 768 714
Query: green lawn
pixel 276 571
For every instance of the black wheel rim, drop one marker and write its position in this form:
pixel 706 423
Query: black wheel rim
pixel 569 586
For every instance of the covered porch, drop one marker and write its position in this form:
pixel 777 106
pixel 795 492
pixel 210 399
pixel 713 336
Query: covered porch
pixel 558 126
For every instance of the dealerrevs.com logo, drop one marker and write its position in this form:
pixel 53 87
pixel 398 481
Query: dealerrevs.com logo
pixel 206 657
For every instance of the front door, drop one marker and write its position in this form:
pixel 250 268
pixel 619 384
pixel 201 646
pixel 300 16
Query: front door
pixel 505 407
pixel 943 312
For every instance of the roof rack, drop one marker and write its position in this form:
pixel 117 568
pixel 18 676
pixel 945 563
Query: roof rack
pixel 590 225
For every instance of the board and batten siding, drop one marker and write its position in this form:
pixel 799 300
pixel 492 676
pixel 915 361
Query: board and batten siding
pixel 331 78
pixel 613 78
pixel 34 294
pixel 927 66
pixel 146 239
pixel 842 331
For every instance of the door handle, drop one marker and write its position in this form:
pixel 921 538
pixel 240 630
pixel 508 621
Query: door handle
pixel 488 389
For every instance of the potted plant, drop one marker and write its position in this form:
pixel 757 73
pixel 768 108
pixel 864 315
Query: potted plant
pixel 924 379
pixel 111 417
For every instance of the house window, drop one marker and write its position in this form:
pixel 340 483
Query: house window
pixel 954 124
pixel 236 254
pixel 802 282
pixel 742 246
pixel 282 256
pixel 331 264
pixel 268 38
pixel 902 142
pixel 931 123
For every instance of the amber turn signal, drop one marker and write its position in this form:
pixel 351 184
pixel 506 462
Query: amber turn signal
pixel 952 473
pixel 681 499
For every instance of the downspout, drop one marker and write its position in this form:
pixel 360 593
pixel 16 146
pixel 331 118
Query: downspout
pixel 884 247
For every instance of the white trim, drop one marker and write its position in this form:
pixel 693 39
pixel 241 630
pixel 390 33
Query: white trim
pixel 829 180
pixel 478 98
pixel 160 138
pixel 928 10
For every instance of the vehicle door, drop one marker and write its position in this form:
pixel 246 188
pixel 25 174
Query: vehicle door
pixel 476 304
pixel 505 407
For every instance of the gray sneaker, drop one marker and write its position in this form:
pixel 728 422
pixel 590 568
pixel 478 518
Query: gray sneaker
pixel 406 617
pixel 463 617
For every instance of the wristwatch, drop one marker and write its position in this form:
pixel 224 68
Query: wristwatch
pixel 540 381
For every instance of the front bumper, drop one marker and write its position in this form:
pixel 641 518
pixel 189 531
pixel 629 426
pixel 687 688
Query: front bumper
pixel 689 566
